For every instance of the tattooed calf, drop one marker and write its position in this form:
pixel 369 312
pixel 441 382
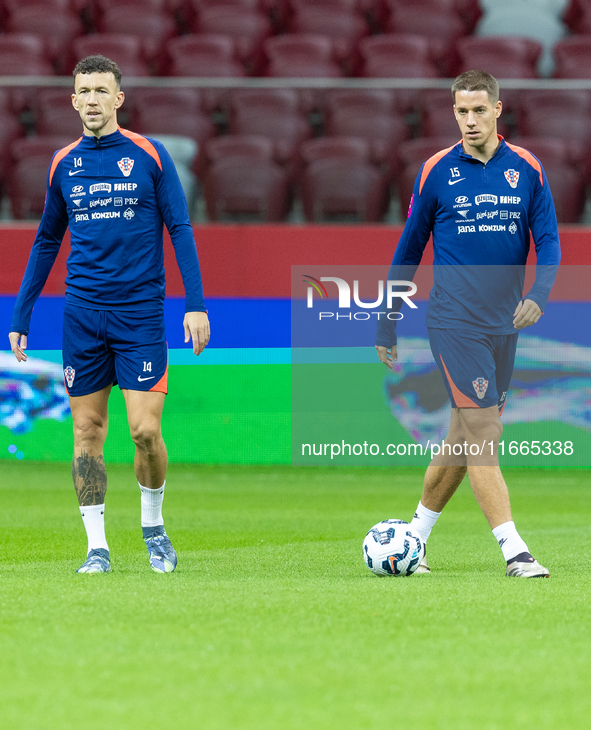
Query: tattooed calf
pixel 90 479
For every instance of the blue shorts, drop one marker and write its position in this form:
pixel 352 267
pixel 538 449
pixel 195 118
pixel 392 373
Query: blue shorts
pixel 476 367
pixel 103 347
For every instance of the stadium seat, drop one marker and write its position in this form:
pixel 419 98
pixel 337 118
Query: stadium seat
pixel 248 28
pixel 503 57
pixel 384 132
pixel 183 152
pixel 441 27
pixel 246 188
pixel 10 130
pixel 282 101
pixel 343 189
pixel 210 45
pixel 380 101
pixel 57 29
pixel 345 28
pixel 39 146
pixel 552 151
pixel 26 187
pixel 287 131
pixel 412 155
pixel 146 101
pixel 193 124
pixel 527 19
pixel 153 28
pixel 397 55
pixel 125 50
pixel 103 6
pixel 542 114
pixel 573 58
pixel 468 11
pixel 351 148
pixel 301 55
pixel 239 145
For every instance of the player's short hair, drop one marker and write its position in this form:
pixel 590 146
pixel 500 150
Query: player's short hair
pixel 100 65
pixel 476 81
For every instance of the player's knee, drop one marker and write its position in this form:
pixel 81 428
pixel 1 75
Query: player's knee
pixel 481 425
pixel 89 429
pixel 146 435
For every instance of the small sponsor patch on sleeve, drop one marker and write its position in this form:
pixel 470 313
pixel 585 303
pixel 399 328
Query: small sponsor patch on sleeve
pixel 412 199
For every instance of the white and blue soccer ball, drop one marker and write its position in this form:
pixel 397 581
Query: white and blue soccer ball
pixel 392 547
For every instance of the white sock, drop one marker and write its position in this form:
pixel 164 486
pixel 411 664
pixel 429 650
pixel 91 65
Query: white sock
pixel 509 540
pixel 93 517
pixel 152 506
pixel 424 521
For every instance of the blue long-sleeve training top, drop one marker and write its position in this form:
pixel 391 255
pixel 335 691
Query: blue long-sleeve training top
pixel 115 193
pixel 481 216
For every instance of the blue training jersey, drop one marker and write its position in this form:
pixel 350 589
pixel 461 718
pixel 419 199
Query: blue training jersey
pixel 480 216
pixel 115 193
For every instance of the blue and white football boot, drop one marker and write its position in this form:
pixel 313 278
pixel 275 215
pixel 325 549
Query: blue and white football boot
pixel 97 561
pixel 162 555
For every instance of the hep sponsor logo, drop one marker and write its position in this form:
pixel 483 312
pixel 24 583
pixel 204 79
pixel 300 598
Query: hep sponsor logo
pixel 389 292
pixel 509 200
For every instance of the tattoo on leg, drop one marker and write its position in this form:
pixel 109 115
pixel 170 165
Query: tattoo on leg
pixel 90 479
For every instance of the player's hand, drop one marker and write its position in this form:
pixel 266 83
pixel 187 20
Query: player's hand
pixel 526 314
pixel 196 326
pixel 16 347
pixel 388 355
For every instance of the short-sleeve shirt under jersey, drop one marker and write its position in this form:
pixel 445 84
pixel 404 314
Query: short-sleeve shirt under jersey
pixel 115 193
pixel 480 216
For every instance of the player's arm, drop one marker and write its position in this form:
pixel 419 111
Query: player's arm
pixel 544 228
pixel 173 205
pixel 407 257
pixel 43 254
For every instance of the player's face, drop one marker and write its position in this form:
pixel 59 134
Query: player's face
pixel 96 98
pixel 477 118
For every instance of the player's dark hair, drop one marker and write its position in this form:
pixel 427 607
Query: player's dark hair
pixel 476 81
pixel 100 65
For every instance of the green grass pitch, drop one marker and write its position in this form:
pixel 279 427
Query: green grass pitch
pixel 272 619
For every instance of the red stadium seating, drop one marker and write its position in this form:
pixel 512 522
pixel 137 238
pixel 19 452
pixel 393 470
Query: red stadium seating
pixel 287 131
pixel 248 28
pixel 344 189
pixel 203 54
pixel 351 148
pixel 153 28
pixel 242 146
pixel 26 187
pixel 397 55
pixel 384 132
pixel 573 58
pixel 372 101
pixel 158 101
pixel 10 130
pixel 125 50
pixel 542 114
pixel 57 29
pixel 504 57
pixel 442 28
pixel 246 187
pixel 346 30
pixel 282 101
pixel 301 55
